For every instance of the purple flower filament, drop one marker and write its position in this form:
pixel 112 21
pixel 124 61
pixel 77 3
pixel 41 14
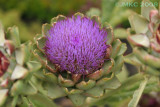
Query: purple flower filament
pixel 76 44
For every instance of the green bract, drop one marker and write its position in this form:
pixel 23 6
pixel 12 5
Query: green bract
pixel 144 35
pixel 55 84
pixel 17 69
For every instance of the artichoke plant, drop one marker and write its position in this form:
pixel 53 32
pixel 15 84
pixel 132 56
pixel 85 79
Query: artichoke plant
pixel 16 69
pixel 80 58
pixel 145 39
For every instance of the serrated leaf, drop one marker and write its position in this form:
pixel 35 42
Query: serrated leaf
pixel 108 65
pixel 97 74
pixel 51 66
pixel 116 48
pixel 19 72
pixel 53 20
pixel 95 92
pixel 41 43
pixel 65 82
pixel 54 91
pixel 124 91
pixel 69 91
pixel 137 94
pixel 139 40
pixel 110 33
pixel 86 85
pixel 113 83
pixel 37 36
pixel 61 17
pixel 78 14
pixel 45 28
pixel 58 18
pixel 96 19
pixel 139 23
pixel 49 77
pixel 40 56
pixel 103 80
pixel 77 99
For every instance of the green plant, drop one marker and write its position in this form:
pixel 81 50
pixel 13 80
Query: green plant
pixel 17 80
pixel 79 86
pixel 144 37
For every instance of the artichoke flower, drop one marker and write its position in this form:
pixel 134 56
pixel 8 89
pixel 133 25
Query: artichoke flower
pixel 15 69
pixel 80 58
pixel 144 36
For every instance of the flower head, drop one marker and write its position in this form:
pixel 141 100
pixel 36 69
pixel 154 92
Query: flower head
pixel 77 45
pixel 72 48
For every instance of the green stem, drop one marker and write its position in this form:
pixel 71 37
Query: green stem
pixel 137 94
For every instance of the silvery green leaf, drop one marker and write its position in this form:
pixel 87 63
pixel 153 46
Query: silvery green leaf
pixel 137 94
pixel 139 40
pixel 77 99
pixel 139 23
pixel 19 72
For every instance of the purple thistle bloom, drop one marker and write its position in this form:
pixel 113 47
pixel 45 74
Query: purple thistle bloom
pixel 77 44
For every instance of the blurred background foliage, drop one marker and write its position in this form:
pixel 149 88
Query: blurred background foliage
pixel 29 15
